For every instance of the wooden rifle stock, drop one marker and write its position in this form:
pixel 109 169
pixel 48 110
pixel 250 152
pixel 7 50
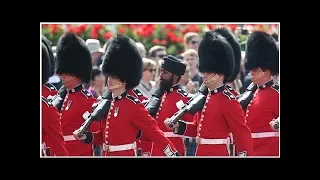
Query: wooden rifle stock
pixel 99 111
pixel 195 101
pixel 245 98
pixel 57 100
pixel 154 102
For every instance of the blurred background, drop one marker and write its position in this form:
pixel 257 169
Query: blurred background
pixel 169 35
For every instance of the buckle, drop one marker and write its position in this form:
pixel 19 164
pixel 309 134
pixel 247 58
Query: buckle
pixel 198 140
pixel 105 147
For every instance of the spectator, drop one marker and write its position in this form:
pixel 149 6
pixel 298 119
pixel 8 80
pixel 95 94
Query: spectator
pixel 156 53
pixel 147 85
pixel 192 59
pixel 185 81
pixel 142 50
pixel 97 83
pixel 96 51
pixel 191 41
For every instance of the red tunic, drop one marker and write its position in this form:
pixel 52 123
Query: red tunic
pixel 220 115
pixel 51 128
pixel 48 89
pixel 167 109
pixel 141 144
pixel 119 130
pixel 76 103
pixel 263 108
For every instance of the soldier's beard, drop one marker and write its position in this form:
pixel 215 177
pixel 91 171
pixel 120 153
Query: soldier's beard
pixel 166 84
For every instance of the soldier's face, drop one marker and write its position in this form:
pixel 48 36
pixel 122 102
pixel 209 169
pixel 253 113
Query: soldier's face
pixel 256 75
pixel 166 77
pixel 66 79
pixel 114 83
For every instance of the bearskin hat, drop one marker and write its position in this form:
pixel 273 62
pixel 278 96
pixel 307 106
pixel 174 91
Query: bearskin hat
pixel 122 59
pixel 73 57
pixel 262 51
pixel 216 55
pixel 46 65
pixel 47 43
pixel 233 41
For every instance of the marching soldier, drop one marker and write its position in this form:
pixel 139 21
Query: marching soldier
pixel 49 89
pixel 232 40
pixel 127 115
pixel 233 78
pixel 51 128
pixel 221 113
pixel 262 59
pixel 174 96
pixel 74 65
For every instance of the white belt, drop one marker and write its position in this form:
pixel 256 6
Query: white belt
pixel 69 138
pixel 171 134
pixel 264 134
pixel 43 146
pixel 212 141
pixel 124 147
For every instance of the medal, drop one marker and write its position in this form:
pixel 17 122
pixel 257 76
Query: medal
pixel 116 112
pixel 68 105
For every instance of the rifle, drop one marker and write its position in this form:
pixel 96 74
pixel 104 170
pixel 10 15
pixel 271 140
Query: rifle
pixel 57 100
pixel 154 102
pixel 192 106
pixel 99 110
pixel 245 98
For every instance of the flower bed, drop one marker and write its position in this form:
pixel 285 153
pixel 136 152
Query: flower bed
pixel 169 35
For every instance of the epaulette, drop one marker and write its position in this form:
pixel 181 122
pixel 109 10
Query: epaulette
pixel 275 87
pixel 137 92
pixel 182 92
pixel 45 100
pixel 133 99
pixel 50 86
pixel 86 93
pixel 228 94
pixel 229 87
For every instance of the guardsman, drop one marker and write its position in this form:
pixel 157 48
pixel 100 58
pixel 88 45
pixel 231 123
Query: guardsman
pixel 222 113
pixel 74 65
pixel 174 97
pixel 237 56
pixel 262 60
pixel 231 38
pixel 127 115
pixel 51 127
pixel 49 89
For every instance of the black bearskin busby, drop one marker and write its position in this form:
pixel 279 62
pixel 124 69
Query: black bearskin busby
pixel 73 57
pixel 47 43
pixel 216 55
pixel 173 65
pixel 46 65
pixel 122 59
pixel 262 51
pixel 233 41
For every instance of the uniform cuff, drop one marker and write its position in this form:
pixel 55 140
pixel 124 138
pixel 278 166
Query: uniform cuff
pixel 181 129
pixel 89 138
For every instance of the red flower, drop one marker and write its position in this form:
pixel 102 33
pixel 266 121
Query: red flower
pixel 54 28
pixel 107 35
pixel 94 34
pixel 121 30
pixel 155 41
pixel 163 42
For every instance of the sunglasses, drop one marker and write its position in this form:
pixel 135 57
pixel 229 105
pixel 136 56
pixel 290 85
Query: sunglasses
pixel 161 56
pixel 151 70
pixel 194 42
